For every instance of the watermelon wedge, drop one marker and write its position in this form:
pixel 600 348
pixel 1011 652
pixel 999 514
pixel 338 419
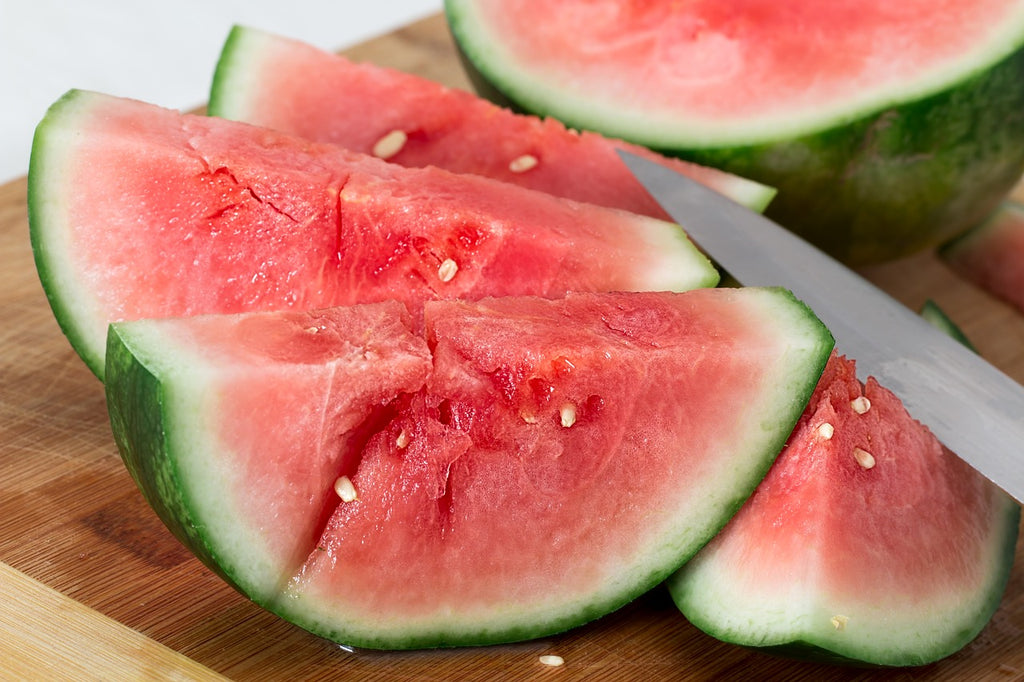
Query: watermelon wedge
pixel 280 83
pixel 137 211
pixel 522 466
pixel 992 254
pixel 886 127
pixel 867 541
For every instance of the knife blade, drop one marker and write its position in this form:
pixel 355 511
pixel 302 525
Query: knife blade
pixel 976 410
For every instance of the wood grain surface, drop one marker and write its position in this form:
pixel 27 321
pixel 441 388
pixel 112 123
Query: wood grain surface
pixel 75 530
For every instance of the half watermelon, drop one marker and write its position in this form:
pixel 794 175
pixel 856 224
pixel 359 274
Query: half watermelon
pixel 137 211
pixel 867 541
pixel 523 466
pixel 886 127
pixel 288 85
pixel 992 254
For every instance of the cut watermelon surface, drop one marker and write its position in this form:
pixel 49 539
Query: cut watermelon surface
pixel 521 466
pixel 288 85
pixel 137 211
pixel 992 254
pixel 867 541
pixel 886 129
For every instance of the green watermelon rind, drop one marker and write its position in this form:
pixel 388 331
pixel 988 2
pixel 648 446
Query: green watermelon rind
pixel 890 177
pixel 155 425
pixel 61 291
pixel 937 317
pixel 895 649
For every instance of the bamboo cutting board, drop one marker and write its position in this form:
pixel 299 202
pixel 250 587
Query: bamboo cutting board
pixel 93 586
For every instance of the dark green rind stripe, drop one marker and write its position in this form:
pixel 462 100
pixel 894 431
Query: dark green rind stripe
pixel 935 316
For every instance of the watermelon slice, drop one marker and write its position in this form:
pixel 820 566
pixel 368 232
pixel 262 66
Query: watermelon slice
pixel 523 466
pixel 867 541
pixel 886 127
pixel 992 254
pixel 138 211
pixel 288 85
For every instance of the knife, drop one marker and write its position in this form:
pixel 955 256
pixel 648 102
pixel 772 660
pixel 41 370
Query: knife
pixel 973 408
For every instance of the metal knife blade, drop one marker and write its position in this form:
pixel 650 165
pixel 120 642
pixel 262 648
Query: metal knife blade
pixel 976 410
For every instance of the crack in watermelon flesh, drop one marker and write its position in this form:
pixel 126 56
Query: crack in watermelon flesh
pixel 518 467
pixel 138 211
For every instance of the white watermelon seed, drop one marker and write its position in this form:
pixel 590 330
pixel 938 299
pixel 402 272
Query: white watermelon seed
pixel 864 458
pixel 826 430
pixel 839 622
pixel 402 440
pixel 860 405
pixel 567 414
pixel 446 271
pixel 552 660
pixel 528 417
pixel 390 144
pixel 523 163
pixel 346 491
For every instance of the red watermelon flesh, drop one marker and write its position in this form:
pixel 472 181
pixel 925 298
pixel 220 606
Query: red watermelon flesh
pixel 558 458
pixel 138 211
pixel 288 85
pixel 867 540
pixel 992 254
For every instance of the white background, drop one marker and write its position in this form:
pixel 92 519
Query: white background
pixel 160 52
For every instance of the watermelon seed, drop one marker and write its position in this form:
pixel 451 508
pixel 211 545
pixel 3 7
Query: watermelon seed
pixel 403 439
pixel 346 491
pixel 523 163
pixel 825 431
pixel 390 144
pixel 864 458
pixel 860 405
pixel 552 660
pixel 567 414
pixel 447 270
pixel 839 622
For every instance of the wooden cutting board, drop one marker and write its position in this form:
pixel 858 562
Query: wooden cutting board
pixel 93 585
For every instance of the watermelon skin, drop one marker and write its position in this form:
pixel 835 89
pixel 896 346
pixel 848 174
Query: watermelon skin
pixel 893 173
pixel 138 211
pixel 279 83
pixel 899 563
pixel 481 516
pixel 992 254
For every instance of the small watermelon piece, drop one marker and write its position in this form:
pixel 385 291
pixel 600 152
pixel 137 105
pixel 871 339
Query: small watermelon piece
pixel 522 466
pixel 885 128
pixel 137 211
pixel 280 83
pixel 991 255
pixel 867 541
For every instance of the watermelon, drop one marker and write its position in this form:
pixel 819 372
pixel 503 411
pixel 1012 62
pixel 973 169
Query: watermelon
pixel 280 83
pixel 520 466
pixel 992 254
pixel 867 541
pixel 138 211
pixel 886 128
